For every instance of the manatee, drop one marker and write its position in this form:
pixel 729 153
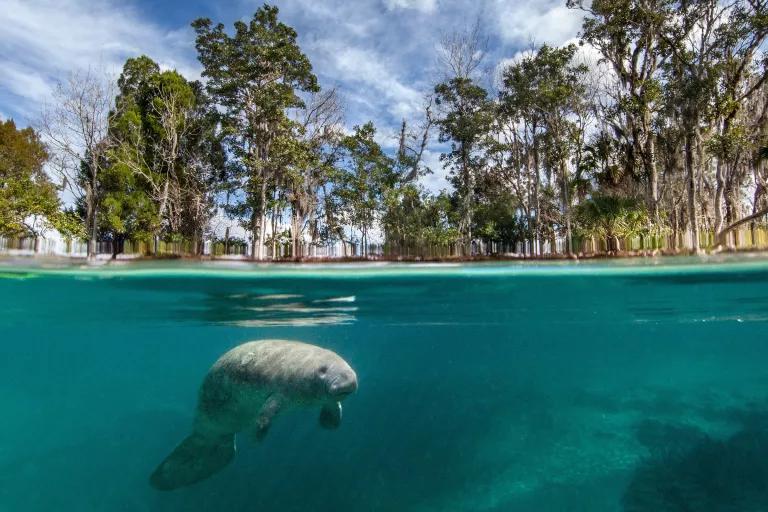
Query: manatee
pixel 243 392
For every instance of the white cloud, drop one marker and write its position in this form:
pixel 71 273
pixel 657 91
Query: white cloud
pixel 376 84
pixel 542 21
pixel 426 6
pixel 43 40
pixel 379 53
pixel 19 81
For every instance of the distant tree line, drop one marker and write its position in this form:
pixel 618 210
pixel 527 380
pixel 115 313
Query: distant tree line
pixel 663 134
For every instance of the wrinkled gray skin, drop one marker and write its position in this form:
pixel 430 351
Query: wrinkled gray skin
pixel 244 391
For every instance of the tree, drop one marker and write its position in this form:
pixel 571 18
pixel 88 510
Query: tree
pixel 692 74
pixel 28 199
pixel 417 223
pixel 412 144
pixel 127 209
pixel 164 134
pixel 466 117
pixel 254 76
pixel 630 36
pixel 547 90
pixel 611 217
pixel 318 135
pixel 366 174
pixel 76 129
pixel 738 31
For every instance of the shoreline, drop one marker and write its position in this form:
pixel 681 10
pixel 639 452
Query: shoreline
pixel 106 260
pixel 720 263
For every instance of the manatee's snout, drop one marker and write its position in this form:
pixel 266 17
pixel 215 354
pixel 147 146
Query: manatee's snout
pixel 344 384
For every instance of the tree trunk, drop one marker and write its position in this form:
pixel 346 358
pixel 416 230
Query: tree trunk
pixel 294 233
pixel 537 184
pixel 566 209
pixel 262 219
pixel 719 191
pixel 90 221
pixel 675 229
pixel 553 242
pixel 466 220
pixel 257 231
pixel 196 244
pixel 91 206
pixel 691 181
pixel 274 233
pixel 116 247
pixel 720 238
pixel 161 211
pixel 653 177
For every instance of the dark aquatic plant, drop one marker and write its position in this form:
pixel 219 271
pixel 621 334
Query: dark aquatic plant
pixel 712 476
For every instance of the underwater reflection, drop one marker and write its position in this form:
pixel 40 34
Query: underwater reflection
pixel 276 310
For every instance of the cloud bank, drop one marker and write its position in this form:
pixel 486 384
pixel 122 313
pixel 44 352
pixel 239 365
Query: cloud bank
pixel 380 54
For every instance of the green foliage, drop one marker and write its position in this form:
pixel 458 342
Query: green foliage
pixel 416 220
pixel 365 174
pixel 28 198
pixel 127 210
pixel 280 238
pixel 499 220
pixel 681 120
pixel 723 145
pixel 467 117
pixel 164 162
pixel 257 70
pixel 69 223
pixel 254 75
pixel 611 216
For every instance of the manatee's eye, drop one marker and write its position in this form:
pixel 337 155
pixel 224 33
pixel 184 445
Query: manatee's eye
pixel 322 370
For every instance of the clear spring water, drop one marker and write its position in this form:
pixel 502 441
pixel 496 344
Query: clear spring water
pixel 485 388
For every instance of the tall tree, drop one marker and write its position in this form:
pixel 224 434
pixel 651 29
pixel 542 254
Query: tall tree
pixel 466 117
pixel 547 89
pixel 254 75
pixel 465 114
pixel 740 30
pixel 164 134
pixel 318 132
pixel 76 129
pixel 630 36
pixel 366 174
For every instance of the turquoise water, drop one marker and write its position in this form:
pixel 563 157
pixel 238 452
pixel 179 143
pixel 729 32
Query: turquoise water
pixel 486 388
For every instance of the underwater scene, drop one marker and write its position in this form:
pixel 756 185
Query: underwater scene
pixel 494 387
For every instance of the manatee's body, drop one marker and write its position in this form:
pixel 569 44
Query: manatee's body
pixel 243 391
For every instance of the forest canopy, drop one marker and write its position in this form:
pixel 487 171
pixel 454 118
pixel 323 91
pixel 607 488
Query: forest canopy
pixel 650 133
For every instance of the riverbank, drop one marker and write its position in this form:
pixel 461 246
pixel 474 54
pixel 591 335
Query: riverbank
pixel 106 259
pixel 206 267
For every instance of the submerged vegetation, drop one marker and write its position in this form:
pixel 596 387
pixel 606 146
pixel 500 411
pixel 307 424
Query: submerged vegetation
pixel 712 475
pixel 653 128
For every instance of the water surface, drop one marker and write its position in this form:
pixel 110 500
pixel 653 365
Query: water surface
pixel 631 386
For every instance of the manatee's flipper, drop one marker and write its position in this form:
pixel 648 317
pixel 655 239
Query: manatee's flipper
pixel 330 415
pixel 267 413
pixel 195 459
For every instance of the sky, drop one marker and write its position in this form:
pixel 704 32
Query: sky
pixel 379 54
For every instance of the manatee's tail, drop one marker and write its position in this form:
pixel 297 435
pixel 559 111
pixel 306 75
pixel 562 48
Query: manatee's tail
pixel 195 459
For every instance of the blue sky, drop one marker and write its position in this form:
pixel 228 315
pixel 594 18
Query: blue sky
pixel 380 54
